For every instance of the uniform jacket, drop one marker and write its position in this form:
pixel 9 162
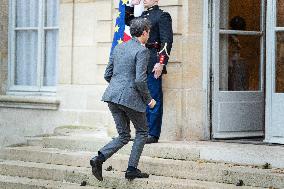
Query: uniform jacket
pixel 161 33
pixel 126 73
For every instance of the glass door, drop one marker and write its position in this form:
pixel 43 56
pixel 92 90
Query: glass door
pixel 238 57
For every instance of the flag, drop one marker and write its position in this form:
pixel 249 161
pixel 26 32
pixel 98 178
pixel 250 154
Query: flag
pixel 122 31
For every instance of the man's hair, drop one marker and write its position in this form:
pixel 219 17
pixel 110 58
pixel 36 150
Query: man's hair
pixel 138 25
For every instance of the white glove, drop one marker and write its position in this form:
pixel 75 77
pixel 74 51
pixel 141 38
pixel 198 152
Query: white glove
pixel 158 69
pixel 134 2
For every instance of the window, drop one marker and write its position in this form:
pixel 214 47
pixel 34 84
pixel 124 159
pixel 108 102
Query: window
pixel 33 45
pixel 241 45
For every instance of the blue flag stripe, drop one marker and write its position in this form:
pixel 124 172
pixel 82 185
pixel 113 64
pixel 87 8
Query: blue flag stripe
pixel 120 22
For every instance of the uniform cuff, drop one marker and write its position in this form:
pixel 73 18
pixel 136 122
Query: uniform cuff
pixel 162 59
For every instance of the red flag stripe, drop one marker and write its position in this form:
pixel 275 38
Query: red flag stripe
pixel 126 37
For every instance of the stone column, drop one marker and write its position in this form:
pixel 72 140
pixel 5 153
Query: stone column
pixel 3 45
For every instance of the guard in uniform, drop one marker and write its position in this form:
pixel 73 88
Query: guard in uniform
pixel 159 44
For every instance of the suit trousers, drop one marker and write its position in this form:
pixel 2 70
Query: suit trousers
pixel 122 117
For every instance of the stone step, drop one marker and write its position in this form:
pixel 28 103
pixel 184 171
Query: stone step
pixel 88 143
pixel 194 170
pixel 34 141
pixel 250 154
pixel 9 182
pixel 112 179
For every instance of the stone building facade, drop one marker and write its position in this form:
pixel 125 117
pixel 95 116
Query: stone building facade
pixel 85 31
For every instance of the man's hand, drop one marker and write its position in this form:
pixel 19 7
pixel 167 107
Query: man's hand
pixel 158 69
pixel 135 2
pixel 152 103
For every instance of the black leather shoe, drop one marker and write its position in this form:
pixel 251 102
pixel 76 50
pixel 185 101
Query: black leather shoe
pixel 130 175
pixel 96 164
pixel 151 139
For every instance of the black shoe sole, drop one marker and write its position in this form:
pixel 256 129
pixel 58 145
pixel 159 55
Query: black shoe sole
pixel 132 177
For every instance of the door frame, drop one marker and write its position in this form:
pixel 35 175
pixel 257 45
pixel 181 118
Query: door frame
pixel 207 67
pixel 271 28
pixel 269 82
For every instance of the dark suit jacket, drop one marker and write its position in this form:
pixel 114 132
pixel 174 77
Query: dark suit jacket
pixel 126 73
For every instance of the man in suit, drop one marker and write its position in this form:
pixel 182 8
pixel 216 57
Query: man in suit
pixel 127 96
pixel 160 44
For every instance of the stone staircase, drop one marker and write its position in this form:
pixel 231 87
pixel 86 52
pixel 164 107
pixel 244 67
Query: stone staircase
pixel 63 162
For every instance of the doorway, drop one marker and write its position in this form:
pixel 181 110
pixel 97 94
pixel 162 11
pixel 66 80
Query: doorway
pixel 238 59
pixel 247 57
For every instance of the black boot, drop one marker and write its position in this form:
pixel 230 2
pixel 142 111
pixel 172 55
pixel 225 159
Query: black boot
pixel 135 173
pixel 151 139
pixel 96 164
